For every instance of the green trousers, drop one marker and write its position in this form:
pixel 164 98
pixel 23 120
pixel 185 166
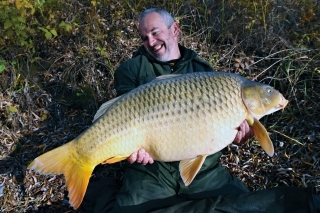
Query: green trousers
pixel 159 188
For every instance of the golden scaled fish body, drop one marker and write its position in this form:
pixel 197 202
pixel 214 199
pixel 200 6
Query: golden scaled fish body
pixel 175 118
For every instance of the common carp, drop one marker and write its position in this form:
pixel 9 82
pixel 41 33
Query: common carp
pixel 174 118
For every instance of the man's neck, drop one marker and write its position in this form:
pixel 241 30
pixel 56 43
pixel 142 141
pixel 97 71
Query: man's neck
pixel 177 53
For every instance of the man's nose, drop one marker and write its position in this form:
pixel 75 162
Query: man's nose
pixel 151 41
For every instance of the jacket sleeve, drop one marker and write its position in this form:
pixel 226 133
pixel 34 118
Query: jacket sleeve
pixel 125 79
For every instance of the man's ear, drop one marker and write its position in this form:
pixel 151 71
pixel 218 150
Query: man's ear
pixel 176 29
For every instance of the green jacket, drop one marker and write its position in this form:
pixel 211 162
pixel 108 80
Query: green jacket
pixel 143 68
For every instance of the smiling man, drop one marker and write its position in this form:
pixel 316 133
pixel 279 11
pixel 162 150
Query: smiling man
pixel 159 36
pixel 149 185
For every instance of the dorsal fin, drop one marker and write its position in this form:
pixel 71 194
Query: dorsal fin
pixel 163 77
pixel 103 108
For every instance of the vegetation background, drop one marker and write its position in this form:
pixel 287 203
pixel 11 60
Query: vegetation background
pixel 57 60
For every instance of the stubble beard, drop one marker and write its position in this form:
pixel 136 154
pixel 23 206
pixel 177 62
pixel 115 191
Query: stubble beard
pixel 164 57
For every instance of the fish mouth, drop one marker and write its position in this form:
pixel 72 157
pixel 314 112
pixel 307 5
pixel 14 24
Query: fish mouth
pixel 283 103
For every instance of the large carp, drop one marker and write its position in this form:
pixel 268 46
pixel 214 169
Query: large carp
pixel 175 118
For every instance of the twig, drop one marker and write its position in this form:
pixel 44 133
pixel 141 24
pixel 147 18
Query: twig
pixel 294 140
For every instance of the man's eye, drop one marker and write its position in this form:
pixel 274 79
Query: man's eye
pixel 155 33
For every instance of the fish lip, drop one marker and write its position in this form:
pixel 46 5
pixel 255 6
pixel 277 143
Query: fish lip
pixel 283 103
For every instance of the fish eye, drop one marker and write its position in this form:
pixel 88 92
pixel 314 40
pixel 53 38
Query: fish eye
pixel 269 90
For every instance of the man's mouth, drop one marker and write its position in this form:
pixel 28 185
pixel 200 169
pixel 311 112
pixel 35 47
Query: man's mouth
pixel 155 48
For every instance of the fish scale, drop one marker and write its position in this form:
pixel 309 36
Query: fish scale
pixel 177 118
pixel 202 116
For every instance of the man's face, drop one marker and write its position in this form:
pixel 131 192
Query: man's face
pixel 159 40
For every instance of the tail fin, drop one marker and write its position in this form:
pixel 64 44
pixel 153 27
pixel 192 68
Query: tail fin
pixel 59 161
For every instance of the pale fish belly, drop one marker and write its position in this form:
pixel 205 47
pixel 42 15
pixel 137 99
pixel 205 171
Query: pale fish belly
pixel 185 134
pixel 187 140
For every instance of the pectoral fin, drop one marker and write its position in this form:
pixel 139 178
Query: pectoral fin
pixel 190 168
pixel 263 137
pixel 114 159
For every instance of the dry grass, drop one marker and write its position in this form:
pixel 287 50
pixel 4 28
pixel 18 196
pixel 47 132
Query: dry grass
pixel 49 99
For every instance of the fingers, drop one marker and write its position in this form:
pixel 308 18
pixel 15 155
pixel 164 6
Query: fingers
pixel 147 159
pixel 244 133
pixel 140 157
pixel 238 137
pixel 144 157
pixel 132 158
pixel 244 127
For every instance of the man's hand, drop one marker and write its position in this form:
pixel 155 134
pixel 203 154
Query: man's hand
pixel 140 157
pixel 244 134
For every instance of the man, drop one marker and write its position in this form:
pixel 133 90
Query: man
pixel 157 186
